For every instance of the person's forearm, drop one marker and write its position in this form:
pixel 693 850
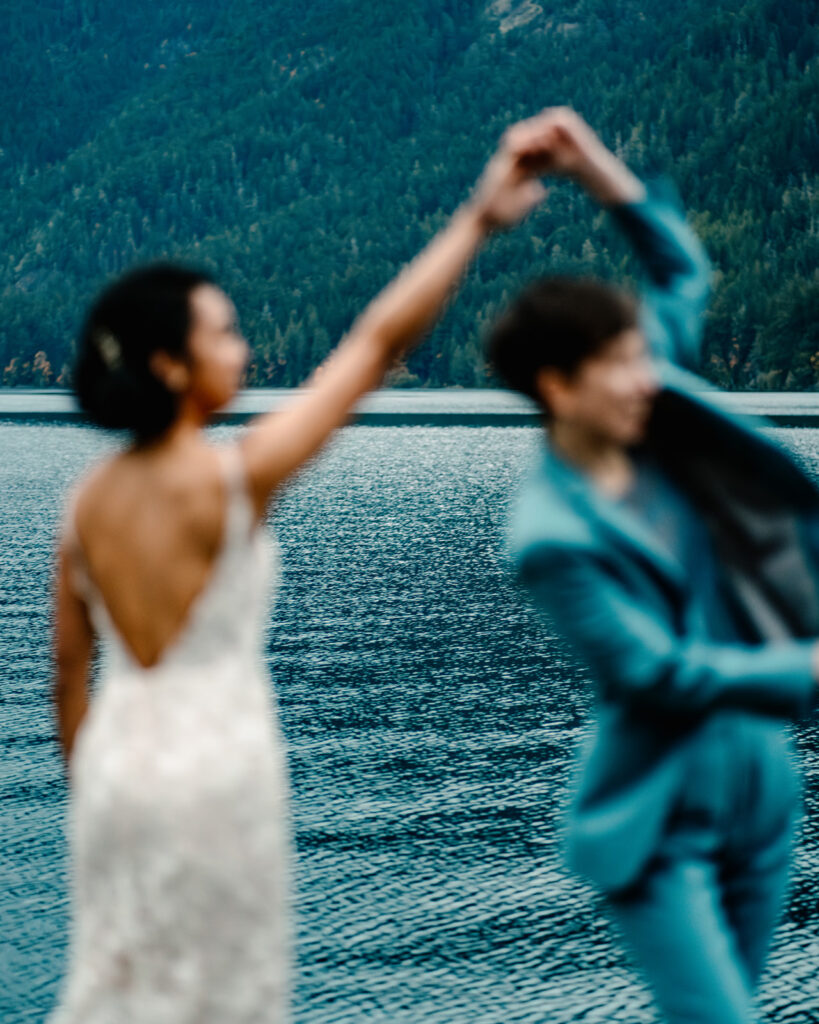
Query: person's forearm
pixel 638 659
pixel 282 441
pixel 411 304
pixel 608 180
pixel 667 247
pixel 71 700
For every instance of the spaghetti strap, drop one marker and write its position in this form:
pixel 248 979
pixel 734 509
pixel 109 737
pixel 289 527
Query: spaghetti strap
pixel 240 505
pixel 232 466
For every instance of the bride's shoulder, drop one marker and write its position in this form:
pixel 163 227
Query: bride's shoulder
pixel 83 488
pixel 87 489
pixel 126 491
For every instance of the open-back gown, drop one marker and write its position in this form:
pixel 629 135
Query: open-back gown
pixel 178 811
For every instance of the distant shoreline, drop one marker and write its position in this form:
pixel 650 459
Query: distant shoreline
pixel 410 406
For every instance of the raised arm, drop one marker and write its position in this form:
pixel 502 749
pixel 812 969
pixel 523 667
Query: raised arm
pixel 674 260
pixel 278 443
pixel 679 277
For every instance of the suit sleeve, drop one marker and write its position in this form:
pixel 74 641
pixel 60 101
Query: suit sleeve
pixel 678 273
pixel 637 658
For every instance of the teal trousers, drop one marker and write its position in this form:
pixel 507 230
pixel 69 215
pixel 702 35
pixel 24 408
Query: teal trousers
pixel 700 918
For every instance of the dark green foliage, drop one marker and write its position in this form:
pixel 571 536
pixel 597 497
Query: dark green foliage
pixel 303 152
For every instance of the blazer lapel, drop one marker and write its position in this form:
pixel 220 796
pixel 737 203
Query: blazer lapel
pixel 617 521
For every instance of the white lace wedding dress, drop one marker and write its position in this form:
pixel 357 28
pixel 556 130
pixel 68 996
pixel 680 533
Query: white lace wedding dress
pixel 178 813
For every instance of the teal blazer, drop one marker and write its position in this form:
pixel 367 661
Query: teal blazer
pixel 623 601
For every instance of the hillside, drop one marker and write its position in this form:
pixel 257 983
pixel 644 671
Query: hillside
pixel 304 152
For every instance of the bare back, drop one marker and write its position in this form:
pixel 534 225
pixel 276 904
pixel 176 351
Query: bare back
pixel 149 529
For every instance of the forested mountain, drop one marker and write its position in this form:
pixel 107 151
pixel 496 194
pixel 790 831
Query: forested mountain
pixel 304 151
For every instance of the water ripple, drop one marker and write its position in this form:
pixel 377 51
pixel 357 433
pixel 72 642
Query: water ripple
pixel 431 722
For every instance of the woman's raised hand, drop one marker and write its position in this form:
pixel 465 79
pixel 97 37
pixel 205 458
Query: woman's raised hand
pixel 557 141
pixel 508 189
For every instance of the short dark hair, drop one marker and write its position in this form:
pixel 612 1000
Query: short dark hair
pixel 557 322
pixel 145 310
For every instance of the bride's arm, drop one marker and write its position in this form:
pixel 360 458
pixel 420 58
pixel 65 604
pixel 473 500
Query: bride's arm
pixel 278 443
pixel 72 652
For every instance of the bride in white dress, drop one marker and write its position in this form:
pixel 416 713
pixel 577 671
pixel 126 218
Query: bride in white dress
pixel 178 811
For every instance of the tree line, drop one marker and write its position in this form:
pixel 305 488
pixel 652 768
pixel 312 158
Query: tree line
pixel 303 153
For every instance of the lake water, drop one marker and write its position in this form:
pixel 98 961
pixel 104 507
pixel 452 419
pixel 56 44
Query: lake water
pixel 431 723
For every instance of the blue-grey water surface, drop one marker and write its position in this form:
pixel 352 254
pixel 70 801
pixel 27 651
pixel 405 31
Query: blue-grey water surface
pixel 431 723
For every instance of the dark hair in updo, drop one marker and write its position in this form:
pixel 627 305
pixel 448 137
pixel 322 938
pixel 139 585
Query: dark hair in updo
pixel 144 310
pixel 557 322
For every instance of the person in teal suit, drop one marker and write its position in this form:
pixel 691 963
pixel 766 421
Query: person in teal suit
pixel 676 548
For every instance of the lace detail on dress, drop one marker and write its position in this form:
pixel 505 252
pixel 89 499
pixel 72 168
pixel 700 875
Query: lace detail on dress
pixel 178 813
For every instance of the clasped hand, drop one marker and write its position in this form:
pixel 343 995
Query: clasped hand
pixel 556 142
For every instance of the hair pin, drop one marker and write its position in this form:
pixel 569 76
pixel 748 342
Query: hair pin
pixel 109 348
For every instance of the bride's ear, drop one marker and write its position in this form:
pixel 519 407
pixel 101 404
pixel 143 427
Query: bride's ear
pixel 169 369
